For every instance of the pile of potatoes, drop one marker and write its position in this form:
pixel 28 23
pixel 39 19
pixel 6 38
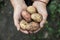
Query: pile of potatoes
pixel 30 19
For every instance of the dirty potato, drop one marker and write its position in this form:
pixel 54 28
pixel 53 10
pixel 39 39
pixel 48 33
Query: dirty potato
pixel 26 16
pixel 24 25
pixel 33 26
pixel 31 9
pixel 36 17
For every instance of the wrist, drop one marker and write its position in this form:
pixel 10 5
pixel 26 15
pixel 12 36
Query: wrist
pixel 38 3
pixel 21 6
pixel 18 3
pixel 43 1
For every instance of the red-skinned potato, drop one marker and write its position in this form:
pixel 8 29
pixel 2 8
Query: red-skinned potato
pixel 26 16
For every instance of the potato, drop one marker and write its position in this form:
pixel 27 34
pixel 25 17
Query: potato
pixel 31 9
pixel 33 26
pixel 24 25
pixel 26 16
pixel 36 17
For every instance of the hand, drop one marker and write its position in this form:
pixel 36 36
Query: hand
pixel 41 8
pixel 19 6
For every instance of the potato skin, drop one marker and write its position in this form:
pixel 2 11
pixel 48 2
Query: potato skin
pixel 26 16
pixel 31 9
pixel 33 26
pixel 24 25
pixel 36 17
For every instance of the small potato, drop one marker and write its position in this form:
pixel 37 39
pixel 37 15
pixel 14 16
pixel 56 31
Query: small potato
pixel 26 16
pixel 24 25
pixel 36 17
pixel 31 9
pixel 33 26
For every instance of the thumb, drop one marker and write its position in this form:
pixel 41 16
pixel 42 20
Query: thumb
pixel 43 20
pixel 42 23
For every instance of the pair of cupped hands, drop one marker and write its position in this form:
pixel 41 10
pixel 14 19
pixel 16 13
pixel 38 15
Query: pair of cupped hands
pixel 20 6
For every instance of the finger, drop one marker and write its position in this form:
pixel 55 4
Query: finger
pixel 42 24
pixel 16 22
pixel 43 21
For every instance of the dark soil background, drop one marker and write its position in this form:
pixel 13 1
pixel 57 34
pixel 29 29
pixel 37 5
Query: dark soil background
pixel 51 30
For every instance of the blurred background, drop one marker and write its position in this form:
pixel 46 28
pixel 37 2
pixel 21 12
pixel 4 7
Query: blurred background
pixel 51 30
